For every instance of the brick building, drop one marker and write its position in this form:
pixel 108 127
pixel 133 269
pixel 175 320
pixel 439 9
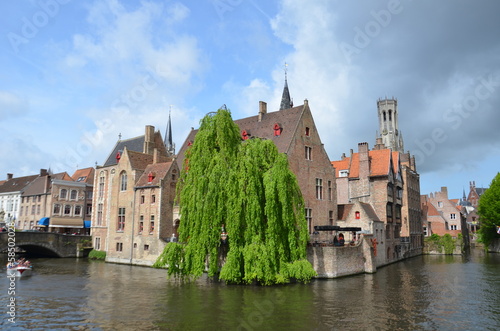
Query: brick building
pixel 374 177
pixel 442 215
pixel 57 202
pixel 133 197
pixel 294 132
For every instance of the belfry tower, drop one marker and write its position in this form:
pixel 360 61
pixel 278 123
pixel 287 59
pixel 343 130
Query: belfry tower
pixel 388 124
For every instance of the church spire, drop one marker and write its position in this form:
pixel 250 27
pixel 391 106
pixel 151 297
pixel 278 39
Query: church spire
pixel 168 135
pixel 286 101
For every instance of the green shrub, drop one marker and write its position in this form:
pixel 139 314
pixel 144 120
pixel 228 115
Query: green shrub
pixel 97 255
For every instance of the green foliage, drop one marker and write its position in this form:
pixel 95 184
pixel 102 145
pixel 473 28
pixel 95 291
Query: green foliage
pixel 97 255
pixel 445 242
pixel 247 188
pixel 448 243
pixel 489 212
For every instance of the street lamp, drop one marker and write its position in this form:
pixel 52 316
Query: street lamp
pixel 223 235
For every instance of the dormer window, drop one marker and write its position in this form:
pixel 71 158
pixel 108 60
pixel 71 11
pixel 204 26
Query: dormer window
pixel 343 173
pixel 151 176
pixel 277 129
pixel 245 135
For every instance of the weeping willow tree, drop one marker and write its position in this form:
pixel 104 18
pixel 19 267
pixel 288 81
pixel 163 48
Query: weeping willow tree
pixel 247 188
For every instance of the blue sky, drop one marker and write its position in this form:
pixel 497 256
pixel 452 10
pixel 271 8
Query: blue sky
pixel 76 74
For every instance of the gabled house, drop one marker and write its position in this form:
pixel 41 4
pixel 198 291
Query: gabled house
pixel 57 202
pixel 443 215
pixel 133 200
pixel 293 131
pixel 10 198
pixel 374 177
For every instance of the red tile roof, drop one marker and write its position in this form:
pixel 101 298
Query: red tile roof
pixel 380 162
pixel 341 165
pixel 159 171
pixel 85 175
pixel 431 210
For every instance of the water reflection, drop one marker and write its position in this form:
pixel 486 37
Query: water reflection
pixel 423 293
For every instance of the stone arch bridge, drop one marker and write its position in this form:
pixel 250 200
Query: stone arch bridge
pixel 48 243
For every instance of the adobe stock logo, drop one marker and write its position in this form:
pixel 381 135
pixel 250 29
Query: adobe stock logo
pixel 223 6
pixel 372 29
pixel 31 26
pixel 454 117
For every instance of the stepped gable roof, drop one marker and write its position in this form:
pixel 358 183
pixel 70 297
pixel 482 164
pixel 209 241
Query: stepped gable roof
pixel 17 184
pixel 38 186
pixel 286 119
pixel 139 160
pixel 159 171
pixel 85 175
pixel 369 211
pixel 133 144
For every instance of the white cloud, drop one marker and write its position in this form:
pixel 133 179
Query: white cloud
pixel 12 105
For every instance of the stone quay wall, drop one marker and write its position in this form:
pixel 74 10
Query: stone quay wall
pixel 494 247
pixel 334 261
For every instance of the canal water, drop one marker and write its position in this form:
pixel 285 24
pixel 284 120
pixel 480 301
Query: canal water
pixel 422 293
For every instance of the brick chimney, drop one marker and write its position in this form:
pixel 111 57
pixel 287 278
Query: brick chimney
pixel 262 109
pixel 43 172
pixel 156 156
pixel 10 176
pixel 364 160
pixel 379 144
pixel 149 140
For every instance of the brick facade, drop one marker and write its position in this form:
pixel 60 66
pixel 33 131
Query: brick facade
pixel 294 132
pixel 133 198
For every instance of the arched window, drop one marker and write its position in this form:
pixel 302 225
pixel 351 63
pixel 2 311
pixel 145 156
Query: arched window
pixel 73 194
pixel 63 194
pixel 384 116
pixel 67 209
pixel 57 209
pixel 123 181
pixel 358 215
pixel 390 115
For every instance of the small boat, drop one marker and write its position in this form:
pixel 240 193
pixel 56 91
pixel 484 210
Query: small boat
pixel 20 268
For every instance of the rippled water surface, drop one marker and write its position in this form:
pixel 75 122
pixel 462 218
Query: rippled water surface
pixel 422 293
